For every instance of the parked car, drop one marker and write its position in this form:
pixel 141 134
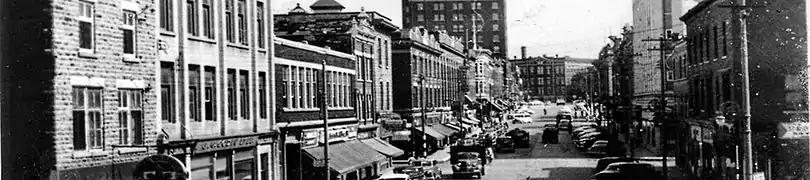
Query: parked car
pixel 577 134
pixel 518 118
pixel 505 144
pixel 430 167
pixel 413 172
pixel 630 171
pixel 564 124
pixel 551 135
pixel 394 176
pixel 598 149
pixel 604 162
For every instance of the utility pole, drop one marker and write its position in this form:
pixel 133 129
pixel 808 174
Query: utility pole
pixel 325 116
pixel 742 10
pixel 422 108
pixel 663 46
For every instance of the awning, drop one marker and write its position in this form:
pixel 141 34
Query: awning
pixel 454 127
pixel 447 131
pixel 431 132
pixel 468 100
pixel 348 156
pixel 465 125
pixel 383 147
pixel 470 121
pixel 495 106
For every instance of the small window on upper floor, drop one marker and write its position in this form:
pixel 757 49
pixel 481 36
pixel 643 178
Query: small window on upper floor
pixel 420 6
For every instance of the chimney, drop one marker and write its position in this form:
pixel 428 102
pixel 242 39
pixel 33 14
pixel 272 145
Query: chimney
pixel 522 52
pixel 556 56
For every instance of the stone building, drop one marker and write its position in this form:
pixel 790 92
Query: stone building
pixel 456 18
pixel 543 77
pixel 79 89
pixel 651 19
pixel 777 56
pixel 364 34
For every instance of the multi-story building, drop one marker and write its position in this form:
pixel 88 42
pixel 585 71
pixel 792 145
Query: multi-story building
pixel 479 75
pixel 423 83
pixel 364 34
pixel 299 79
pixel 543 77
pixel 651 19
pixel 583 84
pixel 615 73
pixel 78 89
pixel 456 17
pixel 215 87
pixel 575 66
pixel 778 100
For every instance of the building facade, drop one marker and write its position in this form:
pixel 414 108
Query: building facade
pixel 651 20
pixel 78 101
pixel 215 87
pixel 363 34
pixel 456 18
pixel 543 77
pixel 778 99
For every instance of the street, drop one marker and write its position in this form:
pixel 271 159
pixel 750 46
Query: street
pixel 551 161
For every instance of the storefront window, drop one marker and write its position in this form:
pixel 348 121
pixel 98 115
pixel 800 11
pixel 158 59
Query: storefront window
pixel 243 169
pixel 223 167
pixel 201 167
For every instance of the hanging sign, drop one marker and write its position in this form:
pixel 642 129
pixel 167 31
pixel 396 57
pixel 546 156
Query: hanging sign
pixel 793 130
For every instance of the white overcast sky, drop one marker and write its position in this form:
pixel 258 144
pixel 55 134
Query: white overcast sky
pixel 577 28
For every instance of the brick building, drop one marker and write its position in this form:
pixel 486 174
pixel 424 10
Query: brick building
pixel 456 18
pixel 777 63
pixel 423 82
pixel 543 77
pixel 364 34
pixel 651 20
pixel 78 99
pixel 215 87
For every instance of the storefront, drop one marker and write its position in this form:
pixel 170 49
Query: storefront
pixel 230 157
pixel 350 160
pixel 390 151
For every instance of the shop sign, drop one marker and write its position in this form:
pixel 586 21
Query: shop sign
pixel 364 135
pixel 793 130
pixel 758 176
pixel 162 167
pixel 339 134
pixel 223 144
pixel 394 124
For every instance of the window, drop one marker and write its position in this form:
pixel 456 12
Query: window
pixel 495 16
pixel 232 94
pixel 455 6
pixel 264 170
pixel 242 21
pixel 167 92
pixel 455 17
pixel 128 29
pixel 243 93
pixel 194 93
pixel 496 38
pixel 130 116
pixel 725 41
pixel 420 6
pixel 495 5
pixel 460 5
pixel 260 24
pixel 229 31
pixel 87 120
pixel 86 29
pixel 436 6
pixel 191 18
pixel 210 93
pixel 208 19
pixel 420 18
pixel 284 72
pixel 295 86
pixel 496 27
pixel 441 17
pixel 262 95
pixel 166 15
pixel 461 17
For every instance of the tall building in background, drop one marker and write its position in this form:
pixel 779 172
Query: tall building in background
pixel 456 18
pixel 651 20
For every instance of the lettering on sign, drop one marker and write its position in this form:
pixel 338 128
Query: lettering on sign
pixel 223 144
pixel 793 130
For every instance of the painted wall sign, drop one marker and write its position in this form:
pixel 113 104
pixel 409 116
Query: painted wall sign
pixel 793 130
pixel 160 167
pixel 223 144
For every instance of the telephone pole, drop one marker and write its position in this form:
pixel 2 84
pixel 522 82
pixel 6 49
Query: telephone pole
pixel 325 116
pixel 663 47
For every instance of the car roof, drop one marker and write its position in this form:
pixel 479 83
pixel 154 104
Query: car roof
pixel 393 176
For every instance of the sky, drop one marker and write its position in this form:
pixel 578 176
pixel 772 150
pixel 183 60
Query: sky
pixel 576 28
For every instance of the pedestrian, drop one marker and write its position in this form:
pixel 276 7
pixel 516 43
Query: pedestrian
pixel 545 112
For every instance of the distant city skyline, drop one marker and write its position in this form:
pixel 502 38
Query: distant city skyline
pixel 576 28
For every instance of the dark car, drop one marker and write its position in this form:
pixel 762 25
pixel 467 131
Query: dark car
pixel 551 135
pixel 505 144
pixel 604 162
pixel 630 171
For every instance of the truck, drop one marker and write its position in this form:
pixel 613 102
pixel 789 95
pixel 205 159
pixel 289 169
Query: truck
pixel 468 157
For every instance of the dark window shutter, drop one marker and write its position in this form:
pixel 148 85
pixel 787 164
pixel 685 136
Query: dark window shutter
pixel 79 139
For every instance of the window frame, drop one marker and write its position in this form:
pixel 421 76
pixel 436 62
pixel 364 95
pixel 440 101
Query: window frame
pixel 231 96
pixel 260 24
pixel 208 19
pixel 192 18
pixel 230 31
pixel 129 18
pixel 244 94
pixel 167 109
pixel 242 19
pixel 130 101
pixel 166 15
pixel 209 93
pixel 86 108
pixel 87 16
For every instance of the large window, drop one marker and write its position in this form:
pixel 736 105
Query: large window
pixel 496 16
pixel 128 30
pixel 420 17
pixel 130 116
pixel 210 94
pixel 166 15
pixel 208 18
pixel 244 95
pixel 88 131
pixel 262 95
pixel 86 27
pixel 495 5
pixel 194 107
pixel 167 92
pixel 420 6
pixel 229 31
pixel 192 19
pixel 300 88
pixel 242 17
pixel 232 94
pixel 260 24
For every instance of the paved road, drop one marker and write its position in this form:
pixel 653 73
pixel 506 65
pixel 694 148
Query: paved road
pixel 539 162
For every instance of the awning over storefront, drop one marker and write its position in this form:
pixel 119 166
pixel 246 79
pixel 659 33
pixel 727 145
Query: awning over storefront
pixel 496 107
pixel 347 156
pixel 470 121
pixel 454 127
pixel 431 132
pixel 447 131
pixel 468 100
pixel 383 147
